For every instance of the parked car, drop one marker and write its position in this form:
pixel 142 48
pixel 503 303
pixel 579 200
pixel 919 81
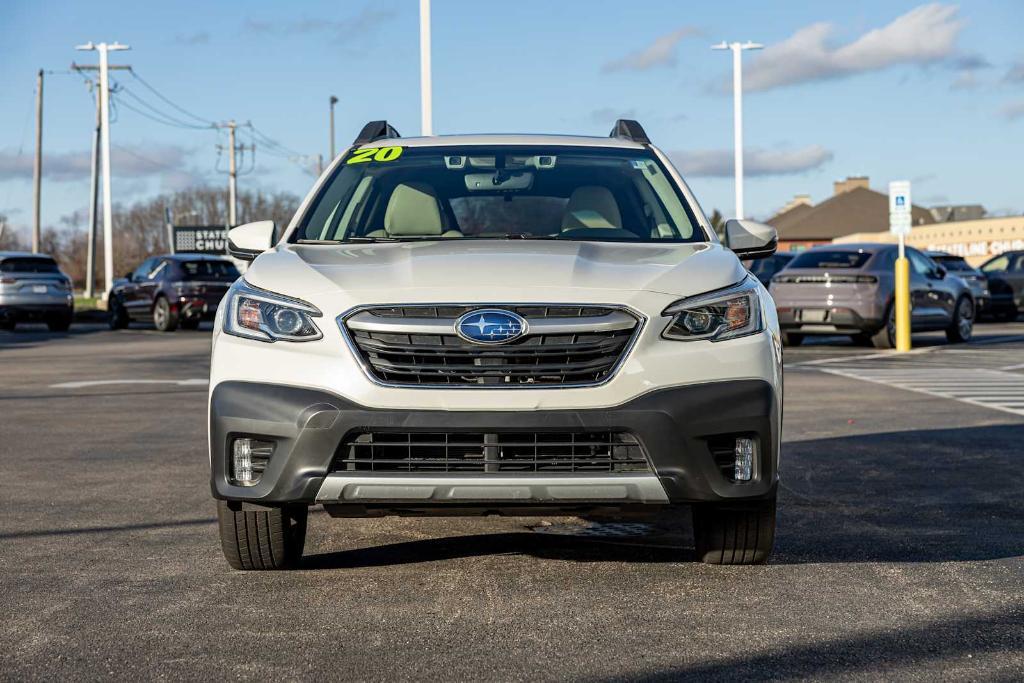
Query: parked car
pixel 1005 275
pixel 496 324
pixel 33 289
pixel 849 289
pixel 959 266
pixel 765 269
pixel 171 290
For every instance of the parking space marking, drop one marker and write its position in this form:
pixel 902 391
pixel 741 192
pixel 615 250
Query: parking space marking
pixel 979 387
pixel 101 382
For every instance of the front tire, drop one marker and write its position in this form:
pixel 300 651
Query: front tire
pixel 734 533
pixel 270 538
pixel 164 318
pixel 962 326
pixel 117 317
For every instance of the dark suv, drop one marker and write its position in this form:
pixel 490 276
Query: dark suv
pixel 848 289
pixel 1005 275
pixel 33 288
pixel 171 290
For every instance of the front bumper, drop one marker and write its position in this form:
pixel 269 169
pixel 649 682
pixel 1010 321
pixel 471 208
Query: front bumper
pixel 673 425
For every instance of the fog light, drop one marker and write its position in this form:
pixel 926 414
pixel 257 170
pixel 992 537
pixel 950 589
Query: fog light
pixel 249 458
pixel 743 467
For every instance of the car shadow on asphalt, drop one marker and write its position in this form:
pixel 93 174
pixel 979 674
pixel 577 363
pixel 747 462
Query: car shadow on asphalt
pixel 543 546
pixel 943 495
pixel 890 654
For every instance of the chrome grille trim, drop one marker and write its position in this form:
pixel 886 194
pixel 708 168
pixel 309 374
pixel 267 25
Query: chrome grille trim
pixel 366 321
pixel 613 319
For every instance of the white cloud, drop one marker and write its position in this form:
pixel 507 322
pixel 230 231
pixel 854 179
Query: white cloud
pixel 924 35
pixel 1015 74
pixel 610 115
pixel 346 29
pixel 139 161
pixel 756 162
pixel 1013 110
pixel 662 52
pixel 197 38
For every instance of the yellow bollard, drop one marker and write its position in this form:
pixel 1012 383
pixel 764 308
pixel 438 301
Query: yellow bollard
pixel 902 304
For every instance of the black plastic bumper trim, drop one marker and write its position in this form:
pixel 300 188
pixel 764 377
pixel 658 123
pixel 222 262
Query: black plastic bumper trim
pixel 673 424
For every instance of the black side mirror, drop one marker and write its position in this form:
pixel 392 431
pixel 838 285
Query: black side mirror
pixel 940 272
pixel 128 275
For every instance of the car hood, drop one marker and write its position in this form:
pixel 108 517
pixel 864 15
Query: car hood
pixel 466 267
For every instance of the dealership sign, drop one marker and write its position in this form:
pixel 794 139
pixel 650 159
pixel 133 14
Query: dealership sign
pixel 978 247
pixel 206 239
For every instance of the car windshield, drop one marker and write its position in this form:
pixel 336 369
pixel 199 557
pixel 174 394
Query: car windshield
pixel 209 270
pixel 29 265
pixel 830 259
pixel 392 193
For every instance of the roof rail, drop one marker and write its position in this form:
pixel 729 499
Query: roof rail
pixel 629 129
pixel 375 130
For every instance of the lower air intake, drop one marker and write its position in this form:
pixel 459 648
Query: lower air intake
pixel 496 452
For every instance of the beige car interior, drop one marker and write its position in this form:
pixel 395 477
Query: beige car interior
pixel 591 206
pixel 413 211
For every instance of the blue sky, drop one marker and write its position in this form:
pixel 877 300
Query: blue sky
pixel 893 90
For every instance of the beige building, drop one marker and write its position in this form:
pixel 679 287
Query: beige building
pixel 977 240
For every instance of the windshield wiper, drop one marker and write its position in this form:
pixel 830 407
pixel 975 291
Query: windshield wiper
pixel 358 238
pixel 520 236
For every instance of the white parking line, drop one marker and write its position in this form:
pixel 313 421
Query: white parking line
pixel 101 382
pixel 985 388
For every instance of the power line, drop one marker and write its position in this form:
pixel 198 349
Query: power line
pixel 159 118
pixel 159 112
pixel 167 100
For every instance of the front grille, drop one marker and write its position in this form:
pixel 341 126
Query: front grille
pixel 565 345
pixel 499 452
pixel 456 311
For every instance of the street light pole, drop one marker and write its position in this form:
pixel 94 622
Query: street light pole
pixel 426 104
pixel 37 168
pixel 737 112
pixel 108 217
pixel 333 101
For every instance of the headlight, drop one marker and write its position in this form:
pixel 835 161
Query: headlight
pixel 258 314
pixel 723 314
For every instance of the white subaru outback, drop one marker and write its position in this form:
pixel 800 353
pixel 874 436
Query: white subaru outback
pixel 496 324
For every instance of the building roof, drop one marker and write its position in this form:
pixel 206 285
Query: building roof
pixel 857 210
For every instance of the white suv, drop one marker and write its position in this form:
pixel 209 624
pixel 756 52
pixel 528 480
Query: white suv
pixel 496 324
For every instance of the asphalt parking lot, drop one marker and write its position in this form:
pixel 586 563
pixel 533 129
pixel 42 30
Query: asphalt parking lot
pixel 900 552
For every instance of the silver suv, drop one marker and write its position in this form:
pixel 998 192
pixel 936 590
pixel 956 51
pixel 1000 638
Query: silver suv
pixel 848 289
pixel 33 288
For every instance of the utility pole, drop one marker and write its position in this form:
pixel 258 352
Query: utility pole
pixel 737 112
pixel 108 217
pixel 94 187
pixel 37 168
pixel 94 180
pixel 232 178
pixel 233 148
pixel 333 101
pixel 426 96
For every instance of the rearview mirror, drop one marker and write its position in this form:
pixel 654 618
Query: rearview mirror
pixel 248 241
pixel 750 240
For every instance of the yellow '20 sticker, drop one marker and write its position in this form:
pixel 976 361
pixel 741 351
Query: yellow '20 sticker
pixel 361 156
